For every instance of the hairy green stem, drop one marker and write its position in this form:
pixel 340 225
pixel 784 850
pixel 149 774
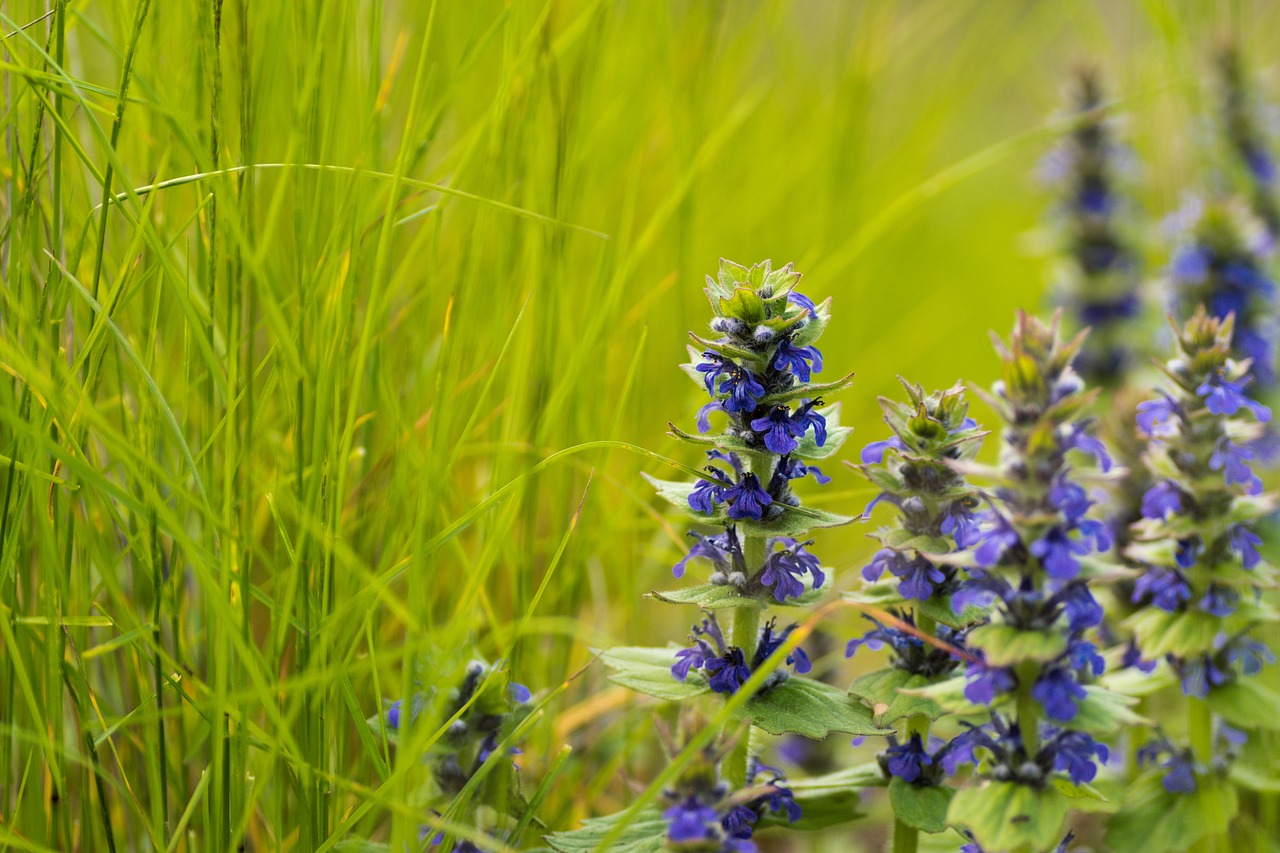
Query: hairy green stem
pixel 1200 732
pixel 1028 708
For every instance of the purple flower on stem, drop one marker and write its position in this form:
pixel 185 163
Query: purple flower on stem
pixel 1219 600
pixel 1224 397
pixel 984 683
pixel 782 569
pixel 1057 553
pixel 1200 675
pixel 1162 500
pixel 805 418
pixel 1248 655
pixel 704 415
pixel 779 430
pixel 1069 498
pixel 1078 439
pixel 791 468
pixel 712 368
pixel 746 498
pixel 743 389
pixel 797 358
pixel 1166 589
pixel 801 301
pixel 907 761
pixel 1156 417
pixel 873 453
pixel 962 524
pixel 1230 458
pixel 1179 765
pixel 718 549
pixel 1078 754
pixel 995 537
pixel 1080 607
pixel 1245 542
pixel 771 639
pixel 1059 693
pixel 691 821
pixel 709 492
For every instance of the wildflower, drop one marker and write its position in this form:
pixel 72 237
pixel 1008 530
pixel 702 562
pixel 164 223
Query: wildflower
pixel 1162 500
pixel 908 761
pixel 746 499
pixel 798 360
pixel 743 388
pixel 782 569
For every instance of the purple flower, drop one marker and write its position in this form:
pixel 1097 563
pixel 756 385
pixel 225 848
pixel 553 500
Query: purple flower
pixel 907 761
pixel 712 368
pixel 797 358
pixel 1155 417
pixel 1075 752
pixel 1200 675
pixel 728 672
pixel 1180 777
pixel 1080 607
pixel 791 468
pixel 779 430
pixel 1188 551
pixel 519 693
pixel 1083 657
pixel 1166 588
pixel 704 415
pixel 805 417
pixel 718 549
pixel 771 639
pixel 782 569
pixel 738 820
pixel 1133 658
pixel 1162 500
pixel 1224 397
pixel 743 389
pixel 1248 655
pixel 1069 498
pixel 746 499
pixel 962 524
pixel 1057 553
pixel 920 579
pixel 1245 542
pixel 1190 264
pixel 873 453
pixel 691 821
pixel 801 301
pixel 1059 693
pixel 1078 439
pixel 1230 458
pixel 1219 600
pixel 983 683
pixel 707 493
pixel 996 536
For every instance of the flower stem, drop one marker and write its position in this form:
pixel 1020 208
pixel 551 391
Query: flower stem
pixel 1028 708
pixel 1200 732
pixel 906 839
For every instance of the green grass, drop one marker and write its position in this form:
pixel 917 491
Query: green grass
pixel 338 388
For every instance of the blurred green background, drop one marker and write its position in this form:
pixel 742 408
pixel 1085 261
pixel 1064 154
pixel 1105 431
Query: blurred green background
pixel 288 392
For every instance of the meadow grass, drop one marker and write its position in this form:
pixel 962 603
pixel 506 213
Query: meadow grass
pixel 331 331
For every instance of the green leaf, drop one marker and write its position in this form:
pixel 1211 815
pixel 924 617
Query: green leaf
pixel 793 521
pixel 1246 703
pixel 646 834
pixel 1182 634
pixel 1005 816
pixel 816 326
pixel 939 609
pixel 811 708
pixel 1255 778
pixel 648 670
pixel 1153 820
pixel 744 305
pixel 920 807
pixel 882 690
pixel 949 695
pixel 807 448
pixel 827 800
pixel 1085 797
pixel 1105 712
pixel 721 596
pixel 806 389
pixel 1006 645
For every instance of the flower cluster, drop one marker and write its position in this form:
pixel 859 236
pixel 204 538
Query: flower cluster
pixel 915 471
pixel 1177 765
pixel 1244 133
pixel 487 708
pixel 1027 564
pixel 1098 284
pixel 705 813
pixel 726 667
pixel 1221 262
pixel 1196 543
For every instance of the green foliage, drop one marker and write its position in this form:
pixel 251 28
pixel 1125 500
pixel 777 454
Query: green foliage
pixel 811 708
pixel 645 834
pixel 1154 819
pixel 919 806
pixel 828 800
pixel 885 691
pixel 1006 817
